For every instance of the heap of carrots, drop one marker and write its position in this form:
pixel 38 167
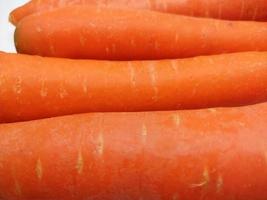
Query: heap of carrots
pixel 138 100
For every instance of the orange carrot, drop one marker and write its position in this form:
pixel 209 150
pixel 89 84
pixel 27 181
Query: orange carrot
pixel 33 87
pixel 223 9
pixel 115 34
pixel 192 155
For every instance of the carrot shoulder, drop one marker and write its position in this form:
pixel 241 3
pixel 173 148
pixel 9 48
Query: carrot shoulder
pixel 193 155
pixel 116 34
pixel 33 87
pixel 222 9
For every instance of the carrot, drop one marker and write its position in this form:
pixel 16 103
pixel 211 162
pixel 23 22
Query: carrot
pixel 115 34
pixel 33 87
pixel 222 9
pixel 193 155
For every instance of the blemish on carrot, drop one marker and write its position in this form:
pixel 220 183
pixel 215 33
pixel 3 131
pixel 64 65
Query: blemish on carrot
pixel 39 169
pixel 144 133
pixel 85 87
pixel 152 74
pixel 17 86
pixel 212 110
pixel 62 91
pixel 132 74
pixel 219 184
pixel 44 90
pixel 205 179
pixel 174 66
pixel 80 163
pixel 100 144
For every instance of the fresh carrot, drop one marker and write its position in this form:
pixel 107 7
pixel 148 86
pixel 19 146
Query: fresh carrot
pixel 32 87
pixel 116 34
pixel 192 155
pixel 222 9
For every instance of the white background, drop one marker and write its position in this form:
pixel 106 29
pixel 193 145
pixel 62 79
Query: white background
pixel 7 29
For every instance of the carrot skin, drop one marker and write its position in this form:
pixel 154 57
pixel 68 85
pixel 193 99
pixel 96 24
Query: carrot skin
pixel 33 87
pixel 226 9
pixel 116 34
pixel 192 155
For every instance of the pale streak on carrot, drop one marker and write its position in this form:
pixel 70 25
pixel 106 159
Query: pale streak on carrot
pixel 144 133
pixel 205 179
pixel 212 110
pixel 80 162
pixel 17 87
pixel 176 119
pixel 219 184
pixel 62 91
pixel 39 169
pixel 174 66
pixel 100 144
pixel 44 90
pixel 85 86
pixel 242 9
pixel 132 74
pixel 18 191
pixel 152 73
pixel 211 61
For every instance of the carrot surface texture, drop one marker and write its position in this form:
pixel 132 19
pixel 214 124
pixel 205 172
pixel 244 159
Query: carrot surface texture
pixel 33 87
pixel 222 9
pixel 192 155
pixel 116 34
